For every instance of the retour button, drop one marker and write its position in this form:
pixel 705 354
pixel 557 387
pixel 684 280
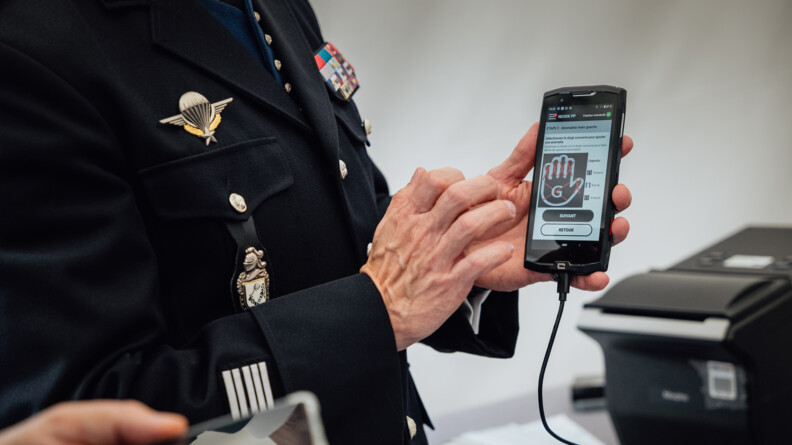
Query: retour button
pixel 568 215
pixel 566 229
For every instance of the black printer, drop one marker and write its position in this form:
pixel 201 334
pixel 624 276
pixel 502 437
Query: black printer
pixel 697 354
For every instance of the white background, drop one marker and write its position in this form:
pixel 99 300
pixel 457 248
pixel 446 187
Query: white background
pixel 457 82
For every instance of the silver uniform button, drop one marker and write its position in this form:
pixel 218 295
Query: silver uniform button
pixel 257 16
pixel 412 426
pixel 368 249
pixel 268 38
pixel 342 166
pixel 367 126
pixel 278 64
pixel 237 202
pixel 287 86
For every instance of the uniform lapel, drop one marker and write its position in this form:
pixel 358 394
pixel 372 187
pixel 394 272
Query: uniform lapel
pixel 300 69
pixel 191 33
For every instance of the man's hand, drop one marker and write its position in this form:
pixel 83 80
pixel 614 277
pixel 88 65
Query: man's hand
pixel 417 261
pixel 510 177
pixel 96 422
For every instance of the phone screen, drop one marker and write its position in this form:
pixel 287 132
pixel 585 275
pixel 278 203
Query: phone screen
pixel 573 166
pixel 573 178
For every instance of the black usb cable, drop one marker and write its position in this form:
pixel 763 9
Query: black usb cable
pixel 563 289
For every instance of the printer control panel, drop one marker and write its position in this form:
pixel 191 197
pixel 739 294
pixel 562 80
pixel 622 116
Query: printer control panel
pixel 717 258
pixel 763 250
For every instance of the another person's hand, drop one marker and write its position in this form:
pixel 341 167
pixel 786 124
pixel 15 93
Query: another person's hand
pixel 417 261
pixel 96 422
pixel 510 177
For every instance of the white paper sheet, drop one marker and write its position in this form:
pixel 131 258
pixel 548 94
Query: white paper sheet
pixel 529 434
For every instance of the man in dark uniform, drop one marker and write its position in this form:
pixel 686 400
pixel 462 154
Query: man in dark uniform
pixel 188 201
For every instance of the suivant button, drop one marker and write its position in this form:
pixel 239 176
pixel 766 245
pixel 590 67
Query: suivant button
pixel 257 16
pixel 568 215
pixel 287 86
pixel 268 39
pixel 412 426
pixel 237 202
pixel 342 166
pixel 278 64
pixel 367 126
pixel 368 249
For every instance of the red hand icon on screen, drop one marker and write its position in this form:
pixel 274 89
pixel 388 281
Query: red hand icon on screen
pixel 558 185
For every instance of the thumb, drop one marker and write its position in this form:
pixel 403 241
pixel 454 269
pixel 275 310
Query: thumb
pixel 521 160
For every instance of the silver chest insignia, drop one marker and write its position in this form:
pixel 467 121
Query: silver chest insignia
pixel 254 282
pixel 198 116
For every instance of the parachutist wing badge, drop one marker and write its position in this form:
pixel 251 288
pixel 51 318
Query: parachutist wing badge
pixel 198 116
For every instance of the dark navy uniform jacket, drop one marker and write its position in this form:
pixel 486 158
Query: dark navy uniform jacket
pixel 117 246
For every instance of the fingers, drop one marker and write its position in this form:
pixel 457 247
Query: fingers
pixel 627 145
pixel 143 425
pixel 521 160
pixel 593 282
pixel 462 196
pixel 482 260
pixel 473 224
pixel 98 422
pixel 620 228
pixel 426 186
pixel 622 198
pixel 127 422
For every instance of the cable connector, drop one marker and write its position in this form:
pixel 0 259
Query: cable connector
pixel 563 280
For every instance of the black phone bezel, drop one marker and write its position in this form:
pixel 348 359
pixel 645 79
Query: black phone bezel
pixel 579 257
